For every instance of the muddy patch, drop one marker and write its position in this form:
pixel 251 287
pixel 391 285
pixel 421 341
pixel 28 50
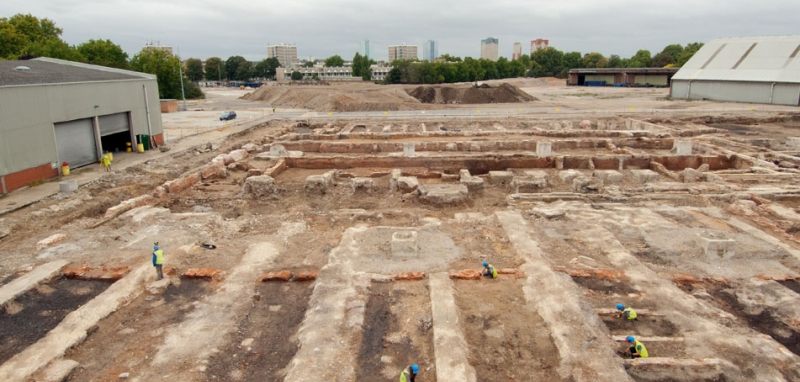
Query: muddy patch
pixel 127 340
pixel 36 312
pixel 266 339
pixel 605 286
pixel 397 332
pixel 648 326
pixel 507 341
pixel 793 285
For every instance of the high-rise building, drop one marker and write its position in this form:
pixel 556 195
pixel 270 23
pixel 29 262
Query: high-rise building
pixel 516 52
pixel 430 51
pixel 286 54
pixel 539 44
pixel 402 52
pixel 365 48
pixel 157 46
pixel 489 48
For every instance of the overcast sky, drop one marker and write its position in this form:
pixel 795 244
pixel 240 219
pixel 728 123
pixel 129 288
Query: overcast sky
pixel 321 28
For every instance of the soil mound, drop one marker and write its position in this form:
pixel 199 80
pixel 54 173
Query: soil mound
pixel 503 93
pixel 338 97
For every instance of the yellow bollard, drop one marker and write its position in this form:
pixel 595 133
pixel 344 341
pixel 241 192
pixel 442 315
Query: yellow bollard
pixel 65 169
pixel 140 148
pixel 128 147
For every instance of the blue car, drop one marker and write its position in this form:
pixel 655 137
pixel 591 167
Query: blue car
pixel 227 116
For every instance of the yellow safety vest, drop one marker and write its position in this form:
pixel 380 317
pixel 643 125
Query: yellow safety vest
pixel 494 271
pixel 159 257
pixel 105 160
pixel 404 375
pixel 641 349
pixel 631 313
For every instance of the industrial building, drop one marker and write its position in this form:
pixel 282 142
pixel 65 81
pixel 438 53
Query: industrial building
pixel 490 48
pixel 656 77
pixel 402 52
pixel 762 69
pixel 56 111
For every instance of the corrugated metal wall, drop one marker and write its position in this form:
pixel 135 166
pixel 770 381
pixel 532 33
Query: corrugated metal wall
pixel 28 113
pixel 652 79
pixel 753 92
pixel 608 78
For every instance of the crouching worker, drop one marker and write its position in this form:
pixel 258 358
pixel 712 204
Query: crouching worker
pixel 409 374
pixel 637 349
pixel 627 313
pixel 489 270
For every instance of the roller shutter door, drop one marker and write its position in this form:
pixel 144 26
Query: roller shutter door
pixel 113 123
pixel 75 141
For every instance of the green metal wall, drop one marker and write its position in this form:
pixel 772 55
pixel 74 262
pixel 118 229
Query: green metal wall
pixel 27 115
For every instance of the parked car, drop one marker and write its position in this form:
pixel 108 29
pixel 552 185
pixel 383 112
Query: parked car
pixel 227 116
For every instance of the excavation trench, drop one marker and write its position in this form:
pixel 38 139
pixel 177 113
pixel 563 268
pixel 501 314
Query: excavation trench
pixel 507 340
pixel 30 316
pixel 397 332
pixel 128 339
pixel 266 340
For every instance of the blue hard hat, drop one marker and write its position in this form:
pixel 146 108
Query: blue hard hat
pixel 620 306
pixel 155 248
pixel 415 368
pixel 485 264
pixel 630 339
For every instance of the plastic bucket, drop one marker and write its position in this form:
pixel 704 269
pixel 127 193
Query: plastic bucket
pixel 139 148
pixel 64 168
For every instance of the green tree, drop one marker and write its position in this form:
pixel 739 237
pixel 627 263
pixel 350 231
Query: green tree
pixel 525 60
pixel 394 76
pixel 105 53
pixel 641 59
pixel 448 58
pixel 674 50
pixel 334 61
pixel 614 62
pixel 12 43
pixel 232 66
pixel 55 48
pixel 357 65
pixel 213 69
pixel 594 60
pixel 194 69
pixel 266 68
pixel 165 66
pixel 308 64
pixel 572 60
pixel 25 36
pixel 297 76
pixel 244 71
pixel 661 60
pixel 550 61
pixel 688 52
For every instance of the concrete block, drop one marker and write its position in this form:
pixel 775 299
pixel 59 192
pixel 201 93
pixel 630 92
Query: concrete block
pixel 567 176
pixel 278 151
pixel 567 124
pixel 67 186
pixel 404 244
pixel 179 185
pixel 214 170
pixel 451 147
pixel 249 147
pixel 716 248
pixel 58 370
pixel 306 276
pixel 473 183
pixel 585 185
pixel 51 240
pixel 500 178
pixel 544 149
pixel 586 124
pixel 362 184
pixel 691 175
pixel 409 150
pixel 407 183
pixel 644 176
pixel 608 176
pixel 316 184
pixel 443 194
pixel 682 147
pixel 259 186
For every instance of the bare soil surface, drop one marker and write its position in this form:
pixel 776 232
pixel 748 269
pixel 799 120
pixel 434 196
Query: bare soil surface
pixel 483 94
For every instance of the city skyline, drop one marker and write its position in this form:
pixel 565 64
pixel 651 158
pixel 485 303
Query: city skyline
pixel 200 29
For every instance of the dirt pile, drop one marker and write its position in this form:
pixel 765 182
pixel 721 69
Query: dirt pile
pixel 503 93
pixel 338 97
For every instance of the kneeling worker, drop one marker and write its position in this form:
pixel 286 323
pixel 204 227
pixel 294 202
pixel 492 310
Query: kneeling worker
pixel 409 374
pixel 637 349
pixel 489 270
pixel 627 313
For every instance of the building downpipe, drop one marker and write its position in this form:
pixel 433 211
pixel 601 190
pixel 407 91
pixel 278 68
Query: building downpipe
pixel 689 91
pixel 771 92
pixel 147 110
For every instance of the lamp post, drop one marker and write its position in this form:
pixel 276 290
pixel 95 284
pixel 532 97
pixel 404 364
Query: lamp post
pixel 180 73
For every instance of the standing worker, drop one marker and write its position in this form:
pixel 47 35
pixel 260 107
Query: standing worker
pixel 273 109
pixel 158 261
pixel 105 160
pixel 627 313
pixel 637 349
pixel 409 374
pixel 489 270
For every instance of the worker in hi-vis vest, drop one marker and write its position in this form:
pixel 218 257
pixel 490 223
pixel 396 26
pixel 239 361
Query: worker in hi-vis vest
pixel 637 349
pixel 158 261
pixel 627 313
pixel 409 374
pixel 489 270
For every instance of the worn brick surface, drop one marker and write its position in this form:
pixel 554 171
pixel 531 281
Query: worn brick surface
pixel 277 276
pixel 467 274
pixel 610 274
pixel 202 273
pixel 409 276
pixel 44 243
pixel 95 273
pixel 305 276
pixel 181 184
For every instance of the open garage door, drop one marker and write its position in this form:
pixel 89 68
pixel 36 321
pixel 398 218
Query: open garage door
pixel 75 141
pixel 113 123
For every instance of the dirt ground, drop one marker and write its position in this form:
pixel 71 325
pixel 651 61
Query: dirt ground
pixel 713 251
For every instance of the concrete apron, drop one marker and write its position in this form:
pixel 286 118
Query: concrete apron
pixel 189 343
pixel 335 313
pixel 30 280
pixel 72 329
pixel 587 354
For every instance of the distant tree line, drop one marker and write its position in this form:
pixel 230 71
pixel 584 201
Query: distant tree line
pixel 547 62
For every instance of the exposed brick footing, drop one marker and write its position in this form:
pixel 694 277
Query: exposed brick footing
pixel 277 276
pixel 23 178
pixel 95 273
pixel 409 276
pixel 203 273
